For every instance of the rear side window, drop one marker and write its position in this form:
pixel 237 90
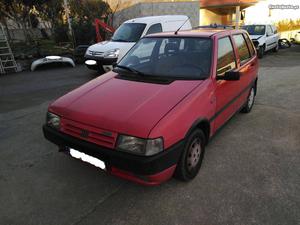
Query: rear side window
pixel 155 28
pixel 226 57
pixel 250 45
pixel 242 47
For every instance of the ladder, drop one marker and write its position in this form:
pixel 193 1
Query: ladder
pixel 7 60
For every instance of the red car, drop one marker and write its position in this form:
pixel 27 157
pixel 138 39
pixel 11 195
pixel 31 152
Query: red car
pixel 152 116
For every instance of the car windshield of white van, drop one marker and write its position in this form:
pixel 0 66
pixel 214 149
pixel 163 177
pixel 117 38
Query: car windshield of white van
pixel 255 29
pixel 129 32
pixel 183 58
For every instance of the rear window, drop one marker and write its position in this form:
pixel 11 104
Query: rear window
pixel 241 45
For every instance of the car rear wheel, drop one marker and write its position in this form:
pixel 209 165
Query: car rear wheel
pixel 250 101
pixel 261 52
pixel 192 156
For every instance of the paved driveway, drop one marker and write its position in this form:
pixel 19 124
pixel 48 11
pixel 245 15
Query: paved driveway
pixel 250 174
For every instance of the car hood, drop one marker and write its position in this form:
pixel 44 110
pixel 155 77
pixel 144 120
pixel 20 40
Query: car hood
pixel 122 106
pixel 255 37
pixel 111 45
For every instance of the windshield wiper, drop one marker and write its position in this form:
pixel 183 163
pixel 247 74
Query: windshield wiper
pixel 130 69
pixel 119 40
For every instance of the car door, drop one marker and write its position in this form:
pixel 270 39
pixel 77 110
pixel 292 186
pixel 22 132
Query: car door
pixel 247 63
pixel 270 42
pixel 225 91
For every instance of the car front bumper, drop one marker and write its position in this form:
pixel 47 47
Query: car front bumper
pixel 102 63
pixel 147 170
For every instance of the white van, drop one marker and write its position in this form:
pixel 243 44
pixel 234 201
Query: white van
pixel 101 56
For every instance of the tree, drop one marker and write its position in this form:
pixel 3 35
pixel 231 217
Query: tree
pixel 51 11
pixel 17 11
pixel 89 9
pixel 83 14
pixel 113 12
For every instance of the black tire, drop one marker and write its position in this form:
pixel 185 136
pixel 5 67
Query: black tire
pixel 186 170
pixel 276 48
pixel 261 52
pixel 100 70
pixel 249 103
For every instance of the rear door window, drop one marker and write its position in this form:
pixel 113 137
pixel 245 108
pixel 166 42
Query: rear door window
pixel 242 48
pixel 250 45
pixel 226 57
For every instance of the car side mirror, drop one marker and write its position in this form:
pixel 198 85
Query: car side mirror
pixel 230 75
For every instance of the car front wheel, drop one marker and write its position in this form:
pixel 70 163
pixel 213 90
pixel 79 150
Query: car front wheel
pixel 250 101
pixel 261 52
pixel 192 156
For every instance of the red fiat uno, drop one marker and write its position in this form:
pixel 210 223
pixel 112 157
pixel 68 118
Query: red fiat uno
pixel 152 116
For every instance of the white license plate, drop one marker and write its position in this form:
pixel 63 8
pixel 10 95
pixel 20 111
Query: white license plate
pixel 87 158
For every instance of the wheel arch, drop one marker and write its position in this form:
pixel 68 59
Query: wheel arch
pixel 204 125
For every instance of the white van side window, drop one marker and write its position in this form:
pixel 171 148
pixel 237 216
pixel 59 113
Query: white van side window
pixel 155 28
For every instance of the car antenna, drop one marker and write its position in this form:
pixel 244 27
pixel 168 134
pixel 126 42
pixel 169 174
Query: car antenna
pixel 182 25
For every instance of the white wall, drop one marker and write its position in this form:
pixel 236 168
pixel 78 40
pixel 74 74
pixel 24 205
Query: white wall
pixel 259 13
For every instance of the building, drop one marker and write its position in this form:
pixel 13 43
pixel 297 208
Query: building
pixel 285 14
pixel 128 9
pixel 224 11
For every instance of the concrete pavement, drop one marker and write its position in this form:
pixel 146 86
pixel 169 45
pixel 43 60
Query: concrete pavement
pixel 250 174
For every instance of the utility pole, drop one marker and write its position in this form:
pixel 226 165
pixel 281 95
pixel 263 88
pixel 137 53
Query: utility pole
pixel 237 16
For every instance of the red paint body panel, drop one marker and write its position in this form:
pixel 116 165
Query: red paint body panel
pixel 124 106
pixel 151 110
pixel 150 180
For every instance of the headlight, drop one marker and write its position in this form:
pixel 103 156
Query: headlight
pixel 112 53
pixel 140 146
pixel 53 120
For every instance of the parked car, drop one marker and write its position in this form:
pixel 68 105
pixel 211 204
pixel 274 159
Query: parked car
pixel 103 55
pixel 297 38
pixel 264 36
pixel 152 116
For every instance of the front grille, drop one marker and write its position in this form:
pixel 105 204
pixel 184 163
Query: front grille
pixel 95 53
pixel 89 133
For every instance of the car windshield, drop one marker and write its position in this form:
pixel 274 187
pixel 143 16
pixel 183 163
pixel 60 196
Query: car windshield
pixel 255 29
pixel 129 32
pixel 170 58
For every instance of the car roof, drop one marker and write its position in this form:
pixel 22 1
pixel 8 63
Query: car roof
pixel 149 19
pixel 205 33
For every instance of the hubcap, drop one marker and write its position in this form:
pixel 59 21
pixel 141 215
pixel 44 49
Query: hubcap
pixel 251 98
pixel 194 154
